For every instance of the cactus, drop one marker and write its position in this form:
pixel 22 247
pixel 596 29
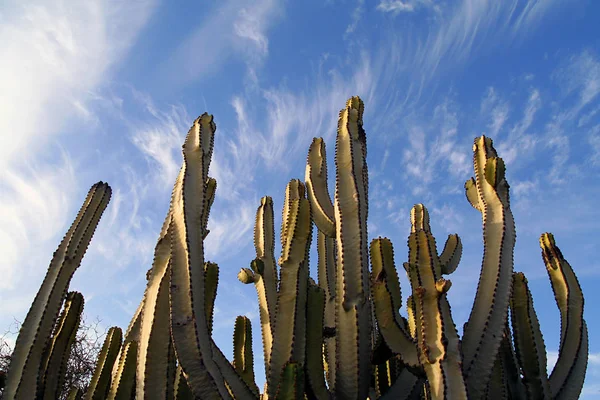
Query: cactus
pixel 34 336
pixel 342 337
pixel 54 364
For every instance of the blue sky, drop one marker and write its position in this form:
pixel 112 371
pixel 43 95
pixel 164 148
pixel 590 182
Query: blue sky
pixel 104 90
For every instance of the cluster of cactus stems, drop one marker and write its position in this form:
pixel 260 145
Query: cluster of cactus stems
pixel 342 337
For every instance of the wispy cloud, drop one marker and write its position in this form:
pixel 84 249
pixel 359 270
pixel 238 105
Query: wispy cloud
pixel 54 55
pixel 355 17
pixel 232 30
pixel 399 6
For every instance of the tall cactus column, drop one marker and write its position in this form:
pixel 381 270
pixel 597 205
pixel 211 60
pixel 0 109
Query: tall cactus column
pixel 488 193
pixel 35 332
pixel 347 222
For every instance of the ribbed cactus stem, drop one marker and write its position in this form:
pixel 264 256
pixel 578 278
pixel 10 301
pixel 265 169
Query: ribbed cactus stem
pixel 327 281
pixel 316 187
pixel 266 281
pixel 243 357
pixel 436 334
pixel 123 383
pixel 35 332
pixel 155 333
pixel 529 343
pixel 100 383
pixel 353 306
pixel 566 380
pixel 315 310
pixel 488 192
pixel 289 334
pixel 387 302
pixel 203 365
pixel 54 367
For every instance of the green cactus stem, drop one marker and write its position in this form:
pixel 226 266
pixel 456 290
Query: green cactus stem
pixel 54 367
pixel 37 327
pixel 100 383
pixel 529 343
pixel 566 379
pixel 488 193
pixel 353 307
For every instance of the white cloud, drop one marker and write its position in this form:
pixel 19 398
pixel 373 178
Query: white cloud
pixel 33 208
pixel 232 30
pixel 355 18
pixel 398 6
pixel 495 110
pixel 160 139
pixel 520 139
pixel 44 46
pixel 54 55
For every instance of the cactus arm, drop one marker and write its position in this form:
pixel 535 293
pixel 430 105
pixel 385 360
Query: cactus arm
pixel 316 187
pixel 211 188
pixel 451 254
pixel 54 367
pixel 211 279
pixel 295 189
pixel 37 327
pixel 243 358
pixel 315 310
pixel 122 386
pixel 326 274
pixel 483 331
pixel 436 334
pixel 566 379
pixel 254 275
pixel 289 333
pixel 529 343
pixel 264 243
pixel 182 390
pixel 473 194
pixel 387 301
pixel 266 281
pixel 353 308
pixel 100 383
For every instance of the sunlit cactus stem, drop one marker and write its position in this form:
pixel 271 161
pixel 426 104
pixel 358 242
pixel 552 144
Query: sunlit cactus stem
pixel 21 382
pixel 488 193
pixel 54 365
